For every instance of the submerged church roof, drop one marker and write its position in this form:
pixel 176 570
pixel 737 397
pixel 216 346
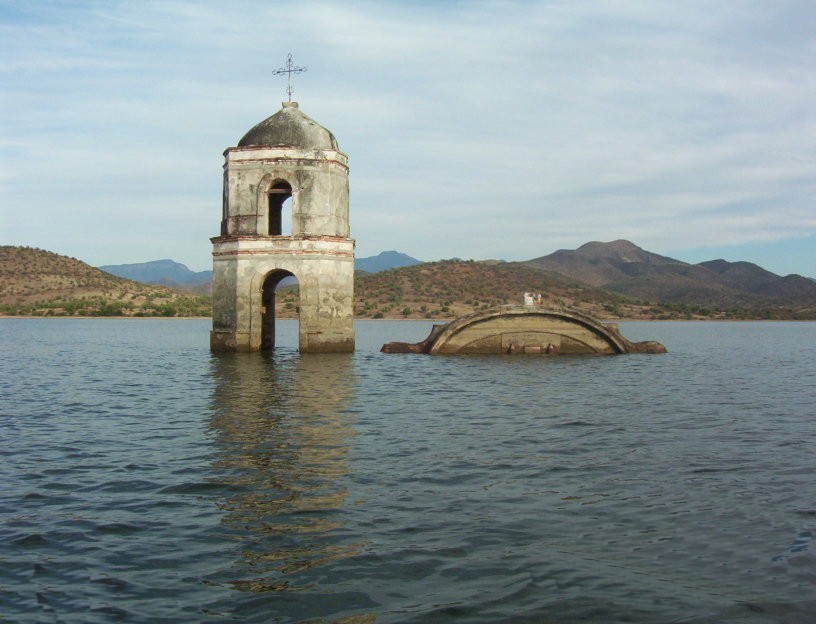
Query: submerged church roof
pixel 291 128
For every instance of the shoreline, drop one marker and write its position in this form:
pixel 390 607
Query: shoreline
pixel 411 320
pixel 113 318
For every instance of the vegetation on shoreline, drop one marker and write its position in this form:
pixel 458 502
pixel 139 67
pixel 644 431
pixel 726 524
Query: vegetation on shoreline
pixel 451 288
pixel 34 282
pixel 101 306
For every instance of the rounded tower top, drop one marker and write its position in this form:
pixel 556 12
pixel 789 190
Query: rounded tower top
pixel 290 127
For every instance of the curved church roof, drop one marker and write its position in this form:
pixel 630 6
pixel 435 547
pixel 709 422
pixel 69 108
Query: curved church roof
pixel 291 128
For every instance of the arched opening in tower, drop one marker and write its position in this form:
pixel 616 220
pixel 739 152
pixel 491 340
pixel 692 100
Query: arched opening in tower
pixel 280 207
pixel 280 300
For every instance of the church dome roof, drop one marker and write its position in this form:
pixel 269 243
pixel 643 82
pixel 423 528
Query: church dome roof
pixel 291 128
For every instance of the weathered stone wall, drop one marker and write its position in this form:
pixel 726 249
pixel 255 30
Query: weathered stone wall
pixel 525 329
pixel 320 192
pixel 534 333
pixel 324 268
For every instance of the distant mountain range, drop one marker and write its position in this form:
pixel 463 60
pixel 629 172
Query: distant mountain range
pixel 164 272
pixel 620 267
pixel 623 267
pixel 605 280
pixel 384 261
pixel 177 275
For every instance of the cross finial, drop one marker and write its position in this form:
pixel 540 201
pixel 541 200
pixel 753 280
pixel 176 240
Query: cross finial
pixel 289 69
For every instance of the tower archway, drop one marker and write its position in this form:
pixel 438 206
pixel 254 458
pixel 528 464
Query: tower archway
pixel 274 280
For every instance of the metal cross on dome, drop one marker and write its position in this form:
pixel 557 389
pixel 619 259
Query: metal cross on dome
pixel 289 69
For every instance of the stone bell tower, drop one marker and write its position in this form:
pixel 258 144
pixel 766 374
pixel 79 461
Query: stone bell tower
pixel 286 155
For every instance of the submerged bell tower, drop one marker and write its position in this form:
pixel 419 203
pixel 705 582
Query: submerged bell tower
pixel 285 156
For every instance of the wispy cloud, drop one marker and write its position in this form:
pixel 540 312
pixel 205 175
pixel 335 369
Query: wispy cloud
pixel 478 129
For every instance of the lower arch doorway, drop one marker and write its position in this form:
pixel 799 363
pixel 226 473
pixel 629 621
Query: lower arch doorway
pixel 281 290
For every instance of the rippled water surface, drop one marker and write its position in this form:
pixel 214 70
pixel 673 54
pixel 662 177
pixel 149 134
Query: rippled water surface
pixel 143 479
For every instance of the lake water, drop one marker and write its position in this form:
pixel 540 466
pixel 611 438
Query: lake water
pixel 143 479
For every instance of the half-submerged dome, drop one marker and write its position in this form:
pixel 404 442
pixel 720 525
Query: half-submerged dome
pixel 290 128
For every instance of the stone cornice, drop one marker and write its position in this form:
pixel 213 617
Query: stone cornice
pixel 283 245
pixel 270 154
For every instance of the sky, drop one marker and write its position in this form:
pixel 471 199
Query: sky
pixel 473 129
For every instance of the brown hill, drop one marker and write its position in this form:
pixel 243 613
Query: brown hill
pixel 37 282
pixel 753 279
pixel 625 268
pixel 598 264
pixel 451 288
pixel 742 275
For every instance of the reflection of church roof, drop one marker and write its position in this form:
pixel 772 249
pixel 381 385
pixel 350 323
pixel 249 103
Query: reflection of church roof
pixel 291 128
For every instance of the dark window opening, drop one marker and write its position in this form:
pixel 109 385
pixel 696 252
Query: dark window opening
pixel 278 195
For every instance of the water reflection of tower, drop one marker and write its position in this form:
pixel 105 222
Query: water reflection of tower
pixel 283 438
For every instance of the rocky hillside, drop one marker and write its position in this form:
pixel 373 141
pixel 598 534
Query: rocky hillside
pixel 626 269
pixel 37 282
pixel 451 287
pixel 598 264
pixel 631 284
pixel 446 289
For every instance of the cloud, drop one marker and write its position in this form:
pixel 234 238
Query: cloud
pixel 474 129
